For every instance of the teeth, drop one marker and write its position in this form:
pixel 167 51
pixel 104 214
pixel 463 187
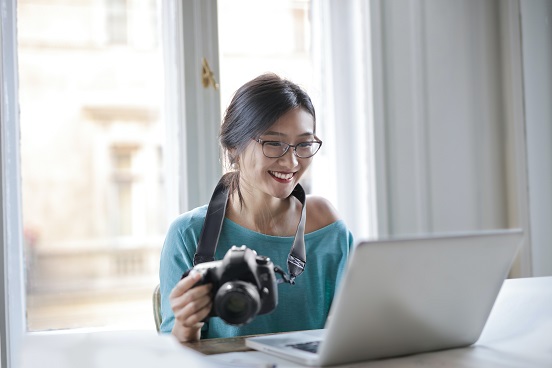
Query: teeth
pixel 283 176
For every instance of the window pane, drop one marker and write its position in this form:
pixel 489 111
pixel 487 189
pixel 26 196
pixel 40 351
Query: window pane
pixel 91 90
pixel 258 36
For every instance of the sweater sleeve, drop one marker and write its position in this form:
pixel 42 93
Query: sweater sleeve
pixel 176 258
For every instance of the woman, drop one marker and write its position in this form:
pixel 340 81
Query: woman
pixel 269 139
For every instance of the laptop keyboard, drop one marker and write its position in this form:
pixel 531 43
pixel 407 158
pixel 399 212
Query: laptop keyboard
pixel 311 346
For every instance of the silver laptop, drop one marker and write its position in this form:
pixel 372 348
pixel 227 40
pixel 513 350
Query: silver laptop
pixel 406 296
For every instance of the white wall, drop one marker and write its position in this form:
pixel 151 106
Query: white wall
pixel 442 114
pixel 465 119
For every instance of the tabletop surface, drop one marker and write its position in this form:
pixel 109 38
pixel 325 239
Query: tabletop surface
pixel 518 333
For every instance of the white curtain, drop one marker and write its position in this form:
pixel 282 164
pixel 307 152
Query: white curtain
pixel 342 51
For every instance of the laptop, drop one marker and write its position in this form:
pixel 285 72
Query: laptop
pixel 404 296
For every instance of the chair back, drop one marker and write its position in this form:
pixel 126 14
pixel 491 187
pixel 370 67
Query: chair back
pixel 156 299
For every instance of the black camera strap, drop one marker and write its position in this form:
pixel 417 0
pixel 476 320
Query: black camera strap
pixel 212 226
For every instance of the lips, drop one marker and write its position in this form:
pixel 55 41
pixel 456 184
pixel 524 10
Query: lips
pixel 282 176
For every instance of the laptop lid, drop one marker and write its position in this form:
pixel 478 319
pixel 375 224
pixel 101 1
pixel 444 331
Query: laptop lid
pixel 410 295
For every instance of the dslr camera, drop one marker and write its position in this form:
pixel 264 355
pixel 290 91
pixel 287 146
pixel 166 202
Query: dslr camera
pixel 244 285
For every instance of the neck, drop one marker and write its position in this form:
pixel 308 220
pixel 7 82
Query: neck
pixel 263 213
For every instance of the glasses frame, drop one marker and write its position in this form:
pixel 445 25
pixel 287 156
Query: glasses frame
pixel 263 142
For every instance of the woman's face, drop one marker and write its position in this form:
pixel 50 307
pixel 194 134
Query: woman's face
pixel 277 177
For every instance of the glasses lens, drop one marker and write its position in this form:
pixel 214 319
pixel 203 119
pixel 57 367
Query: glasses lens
pixel 307 149
pixel 274 149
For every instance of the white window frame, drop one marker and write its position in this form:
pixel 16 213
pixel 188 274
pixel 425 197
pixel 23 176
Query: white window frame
pixel 12 305
pixel 190 33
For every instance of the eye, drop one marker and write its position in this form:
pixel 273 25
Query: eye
pixel 273 144
pixel 305 145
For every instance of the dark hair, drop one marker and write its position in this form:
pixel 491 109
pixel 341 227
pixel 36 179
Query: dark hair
pixel 256 106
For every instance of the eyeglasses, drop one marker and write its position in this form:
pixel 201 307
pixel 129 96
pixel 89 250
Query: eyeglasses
pixel 275 149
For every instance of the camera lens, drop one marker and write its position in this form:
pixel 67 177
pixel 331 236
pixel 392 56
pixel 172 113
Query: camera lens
pixel 237 302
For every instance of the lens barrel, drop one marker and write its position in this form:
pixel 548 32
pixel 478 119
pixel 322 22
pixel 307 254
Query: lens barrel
pixel 237 302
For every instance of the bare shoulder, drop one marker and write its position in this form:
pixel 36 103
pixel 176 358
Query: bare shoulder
pixel 320 213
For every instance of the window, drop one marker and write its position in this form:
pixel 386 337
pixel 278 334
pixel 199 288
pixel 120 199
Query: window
pixel 281 44
pixel 123 182
pixel 116 21
pixel 92 138
pixel 305 41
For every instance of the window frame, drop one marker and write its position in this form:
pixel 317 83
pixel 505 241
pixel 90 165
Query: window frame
pixel 13 303
pixel 190 33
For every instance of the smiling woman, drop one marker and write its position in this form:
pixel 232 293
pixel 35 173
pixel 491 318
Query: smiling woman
pixel 264 212
pixel 256 110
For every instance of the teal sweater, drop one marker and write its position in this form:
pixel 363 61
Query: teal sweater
pixel 303 306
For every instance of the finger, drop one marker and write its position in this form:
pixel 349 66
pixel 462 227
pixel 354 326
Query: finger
pixel 194 312
pixel 191 296
pixel 199 291
pixel 201 314
pixel 186 284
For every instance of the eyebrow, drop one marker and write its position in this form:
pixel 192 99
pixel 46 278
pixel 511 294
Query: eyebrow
pixel 278 134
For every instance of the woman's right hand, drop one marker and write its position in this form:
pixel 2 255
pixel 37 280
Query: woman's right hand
pixel 190 305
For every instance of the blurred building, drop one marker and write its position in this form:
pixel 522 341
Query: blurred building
pixel 91 83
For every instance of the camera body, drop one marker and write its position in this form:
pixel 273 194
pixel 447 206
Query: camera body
pixel 244 285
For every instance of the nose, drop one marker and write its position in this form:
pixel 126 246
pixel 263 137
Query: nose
pixel 289 157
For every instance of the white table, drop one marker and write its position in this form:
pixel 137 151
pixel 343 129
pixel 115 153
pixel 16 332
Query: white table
pixel 518 334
